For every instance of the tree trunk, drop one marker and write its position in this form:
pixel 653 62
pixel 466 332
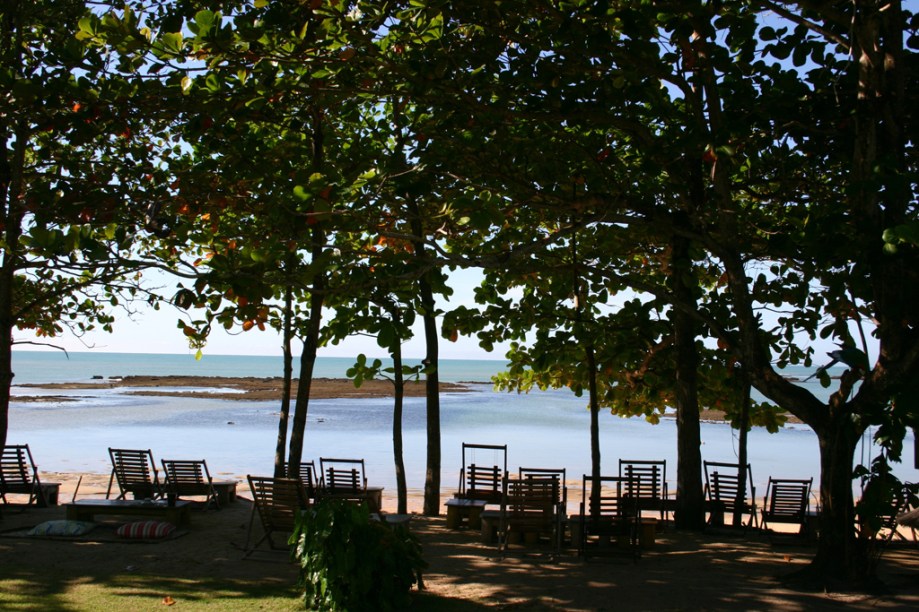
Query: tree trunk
pixel 742 460
pixel 284 418
pixel 398 401
pixel 595 465
pixel 12 187
pixel 432 366
pixel 316 300
pixel 432 393
pixel 690 508
pixel 841 561
pixel 307 363
pixel 6 364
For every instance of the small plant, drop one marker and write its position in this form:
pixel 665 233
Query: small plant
pixel 351 562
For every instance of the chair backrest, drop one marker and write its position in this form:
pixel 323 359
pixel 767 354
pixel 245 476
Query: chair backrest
pixel 483 482
pixel 18 473
pixel 480 480
pixel 608 503
pixel 187 477
pixel 278 501
pixel 787 499
pixel 722 482
pixel 343 475
pixel 644 479
pixel 16 467
pixel 531 497
pixel 556 475
pixel 307 476
pixel 135 472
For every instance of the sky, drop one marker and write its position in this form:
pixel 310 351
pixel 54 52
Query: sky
pixel 153 331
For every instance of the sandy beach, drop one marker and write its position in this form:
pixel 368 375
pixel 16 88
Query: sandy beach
pixel 680 571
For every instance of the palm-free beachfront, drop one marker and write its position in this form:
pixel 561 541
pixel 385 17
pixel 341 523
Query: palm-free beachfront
pixel 69 438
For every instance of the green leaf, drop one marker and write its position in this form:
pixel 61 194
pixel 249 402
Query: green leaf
pixel 205 21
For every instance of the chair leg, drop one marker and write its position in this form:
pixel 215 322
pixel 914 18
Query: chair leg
pixel 249 530
pixel 111 479
pixel 249 551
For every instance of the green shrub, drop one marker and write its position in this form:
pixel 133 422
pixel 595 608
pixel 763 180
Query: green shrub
pixel 351 562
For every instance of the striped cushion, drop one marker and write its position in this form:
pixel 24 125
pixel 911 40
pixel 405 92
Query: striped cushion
pixel 145 530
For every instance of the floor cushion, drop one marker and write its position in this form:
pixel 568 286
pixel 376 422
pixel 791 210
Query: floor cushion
pixel 62 528
pixel 145 530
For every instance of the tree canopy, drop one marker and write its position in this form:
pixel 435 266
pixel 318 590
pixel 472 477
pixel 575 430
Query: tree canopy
pixel 668 200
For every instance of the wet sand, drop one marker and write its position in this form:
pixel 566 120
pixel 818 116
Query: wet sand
pixel 248 389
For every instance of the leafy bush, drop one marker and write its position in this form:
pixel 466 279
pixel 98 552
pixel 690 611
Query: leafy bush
pixel 351 562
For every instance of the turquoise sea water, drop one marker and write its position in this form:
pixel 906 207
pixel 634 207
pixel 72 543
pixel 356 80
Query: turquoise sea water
pixel 542 429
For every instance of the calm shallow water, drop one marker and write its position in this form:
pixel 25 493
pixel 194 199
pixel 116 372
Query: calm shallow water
pixel 541 429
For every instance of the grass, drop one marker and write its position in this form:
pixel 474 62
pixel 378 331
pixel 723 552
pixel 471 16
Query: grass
pixel 55 592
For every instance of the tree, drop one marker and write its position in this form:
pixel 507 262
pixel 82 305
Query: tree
pixel 753 189
pixel 80 182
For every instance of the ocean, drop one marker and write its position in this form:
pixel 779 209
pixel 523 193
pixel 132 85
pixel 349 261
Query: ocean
pixel 548 429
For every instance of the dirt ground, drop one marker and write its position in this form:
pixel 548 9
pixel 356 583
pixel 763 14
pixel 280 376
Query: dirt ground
pixel 680 571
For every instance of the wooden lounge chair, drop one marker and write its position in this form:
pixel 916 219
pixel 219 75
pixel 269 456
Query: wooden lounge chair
pixel 904 505
pixel 343 479
pixel 645 483
pixel 608 520
pixel 787 501
pixel 885 527
pixel 308 477
pixel 135 472
pixel 558 477
pixel 19 475
pixel 529 510
pixel 723 494
pixel 189 478
pixel 278 503
pixel 482 482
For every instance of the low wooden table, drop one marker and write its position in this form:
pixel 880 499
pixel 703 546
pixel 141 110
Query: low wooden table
pixel 86 509
pixel 50 491
pixel 372 495
pixel 459 509
pixel 226 491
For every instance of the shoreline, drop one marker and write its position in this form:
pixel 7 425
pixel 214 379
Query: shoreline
pixel 269 389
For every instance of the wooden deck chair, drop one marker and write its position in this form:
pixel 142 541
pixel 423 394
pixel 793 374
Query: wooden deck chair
pixel 723 494
pixel 278 503
pixel 906 504
pixel 343 479
pixel 645 483
pixel 529 511
pixel 189 478
pixel 608 522
pixel 19 475
pixel 308 477
pixel 135 472
pixel 787 501
pixel 885 527
pixel 558 477
pixel 478 481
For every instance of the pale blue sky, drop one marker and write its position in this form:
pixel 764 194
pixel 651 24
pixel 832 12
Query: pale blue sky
pixel 156 332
